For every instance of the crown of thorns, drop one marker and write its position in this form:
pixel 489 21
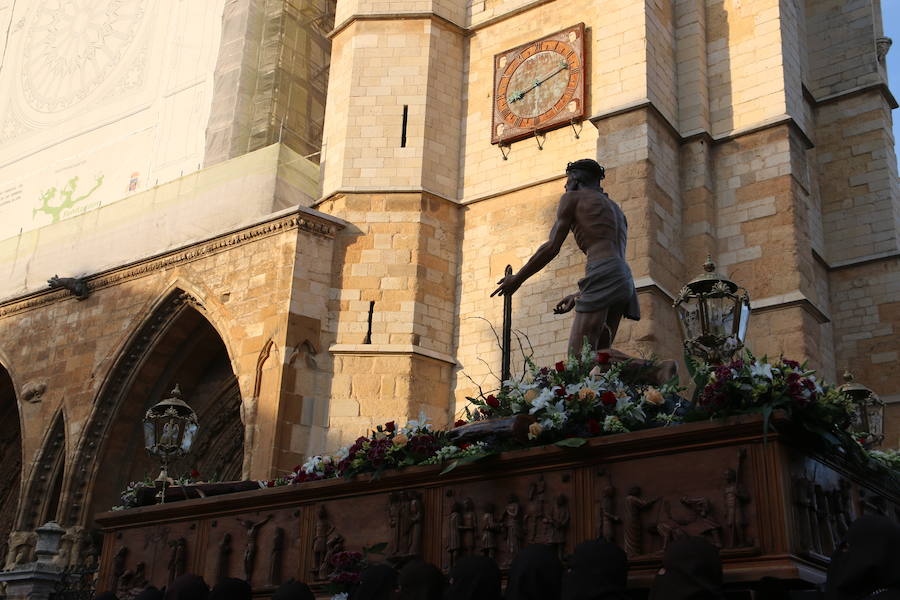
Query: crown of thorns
pixel 589 165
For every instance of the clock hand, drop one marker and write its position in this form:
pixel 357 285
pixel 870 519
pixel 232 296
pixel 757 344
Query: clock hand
pixel 516 97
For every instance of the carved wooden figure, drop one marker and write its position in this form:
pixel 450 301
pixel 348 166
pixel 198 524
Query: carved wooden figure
pixel 489 528
pixel 559 523
pixel 276 557
pixel 804 540
pixel 177 558
pixel 250 550
pixel 224 558
pixel 535 517
pixel 512 523
pixel 812 517
pixel 394 523
pixel 132 583
pixel 404 524
pixel 118 567
pixel 842 522
pixel 635 505
pixel 323 531
pixel 826 533
pixel 847 507
pixel 667 527
pixel 734 497
pixel 455 533
pixel 607 518
pixel 702 523
pixel 469 527
pixel 415 524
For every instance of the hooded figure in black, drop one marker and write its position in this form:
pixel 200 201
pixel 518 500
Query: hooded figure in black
pixel 474 578
pixel 231 588
pixel 187 587
pixel 597 571
pixel 867 565
pixel 293 590
pixel 535 574
pixel 420 580
pixel 376 582
pixel 692 570
pixel 148 593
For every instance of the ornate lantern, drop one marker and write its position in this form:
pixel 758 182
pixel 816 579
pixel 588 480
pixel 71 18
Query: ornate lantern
pixel 169 430
pixel 868 411
pixel 713 313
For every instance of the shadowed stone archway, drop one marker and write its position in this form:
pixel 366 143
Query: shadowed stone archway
pixel 175 344
pixel 10 459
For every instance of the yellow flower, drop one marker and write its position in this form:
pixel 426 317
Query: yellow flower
pixel 534 430
pixel 400 439
pixel 654 396
pixel 586 394
pixel 530 395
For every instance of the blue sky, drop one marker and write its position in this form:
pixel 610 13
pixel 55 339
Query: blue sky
pixel 890 10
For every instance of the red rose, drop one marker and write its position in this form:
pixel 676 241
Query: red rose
pixel 459 423
pixel 492 401
pixel 297 468
pixel 464 446
pixel 390 427
pixel 270 483
pixel 195 473
pixel 560 367
pixel 603 357
pixel 608 399
pixel 559 391
pixel 594 426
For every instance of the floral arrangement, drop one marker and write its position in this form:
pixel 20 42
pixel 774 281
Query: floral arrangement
pixel 347 567
pixel 387 447
pixel 130 495
pixel 288 479
pixel 584 396
pixel 749 385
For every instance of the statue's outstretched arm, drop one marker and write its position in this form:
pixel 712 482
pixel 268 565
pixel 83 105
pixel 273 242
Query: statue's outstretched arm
pixel 547 251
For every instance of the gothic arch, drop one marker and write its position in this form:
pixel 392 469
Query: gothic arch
pixel 176 343
pixel 10 457
pixel 40 501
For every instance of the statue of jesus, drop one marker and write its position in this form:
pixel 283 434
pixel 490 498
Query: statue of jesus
pixel 606 293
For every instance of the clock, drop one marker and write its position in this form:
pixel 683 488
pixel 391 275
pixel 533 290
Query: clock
pixel 539 86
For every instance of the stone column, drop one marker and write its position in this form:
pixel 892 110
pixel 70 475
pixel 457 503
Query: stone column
pixel 39 579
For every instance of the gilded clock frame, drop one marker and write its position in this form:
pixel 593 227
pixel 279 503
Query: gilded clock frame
pixel 505 64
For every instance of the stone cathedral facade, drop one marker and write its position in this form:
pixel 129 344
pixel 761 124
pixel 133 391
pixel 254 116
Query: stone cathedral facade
pixel 297 209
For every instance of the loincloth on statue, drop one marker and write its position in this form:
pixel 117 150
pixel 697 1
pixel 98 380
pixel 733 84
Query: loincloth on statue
pixel 607 283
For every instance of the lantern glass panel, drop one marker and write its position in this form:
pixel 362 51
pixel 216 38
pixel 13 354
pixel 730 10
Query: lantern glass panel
pixel 874 418
pixel 149 435
pixel 189 431
pixel 170 434
pixel 720 311
pixel 859 418
pixel 745 320
pixel 689 318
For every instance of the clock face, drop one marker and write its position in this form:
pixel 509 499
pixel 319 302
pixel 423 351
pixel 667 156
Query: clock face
pixel 539 85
